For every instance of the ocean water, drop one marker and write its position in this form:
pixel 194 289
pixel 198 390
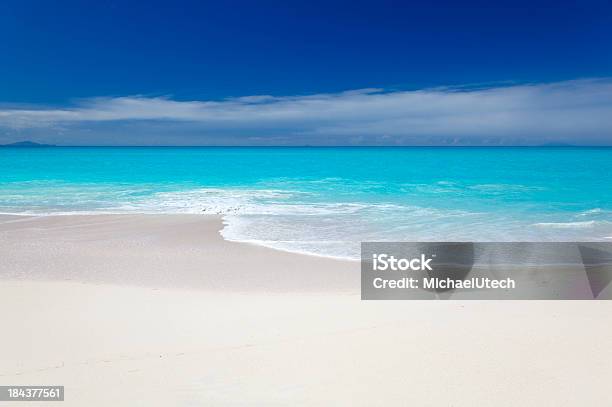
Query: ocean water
pixel 327 200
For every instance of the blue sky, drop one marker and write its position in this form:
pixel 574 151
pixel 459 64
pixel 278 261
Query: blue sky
pixel 231 72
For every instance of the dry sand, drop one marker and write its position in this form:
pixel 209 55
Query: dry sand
pixel 146 310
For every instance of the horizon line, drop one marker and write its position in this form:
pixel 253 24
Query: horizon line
pixel 42 146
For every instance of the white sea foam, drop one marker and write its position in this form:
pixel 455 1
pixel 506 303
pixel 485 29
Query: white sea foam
pixel 594 211
pixel 307 222
pixel 566 225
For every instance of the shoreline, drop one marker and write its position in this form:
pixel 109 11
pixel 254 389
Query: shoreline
pixel 161 244
pixel 220 216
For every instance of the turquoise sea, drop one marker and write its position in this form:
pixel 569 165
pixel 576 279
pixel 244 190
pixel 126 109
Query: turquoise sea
pixel 326 200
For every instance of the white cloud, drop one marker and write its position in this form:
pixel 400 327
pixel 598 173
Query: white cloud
pixel 576 111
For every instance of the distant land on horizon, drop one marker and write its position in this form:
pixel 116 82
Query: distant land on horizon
pixel 27 144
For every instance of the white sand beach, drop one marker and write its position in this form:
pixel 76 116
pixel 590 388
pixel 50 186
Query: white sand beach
pixel 159 310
